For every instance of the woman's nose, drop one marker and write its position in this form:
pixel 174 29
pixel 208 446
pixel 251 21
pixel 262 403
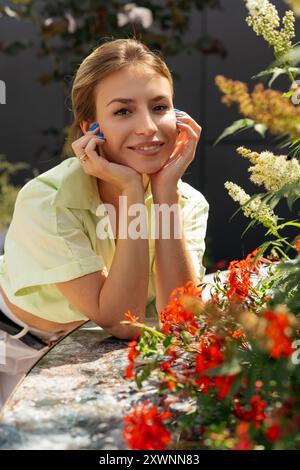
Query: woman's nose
pixel 145 125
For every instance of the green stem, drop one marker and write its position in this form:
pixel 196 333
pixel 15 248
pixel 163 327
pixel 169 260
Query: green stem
pixel 154 332
pixel 292 78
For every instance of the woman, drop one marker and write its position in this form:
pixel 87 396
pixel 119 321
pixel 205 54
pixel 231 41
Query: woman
pixel 60 267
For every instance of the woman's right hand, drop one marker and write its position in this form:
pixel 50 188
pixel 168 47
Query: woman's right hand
pixel 121 176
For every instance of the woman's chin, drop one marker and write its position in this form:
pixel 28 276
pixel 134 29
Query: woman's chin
pixel 150 169
pixel 152 172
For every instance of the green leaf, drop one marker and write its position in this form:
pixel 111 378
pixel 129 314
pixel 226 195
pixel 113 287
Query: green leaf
pixel 140 377
pixel 264 73
pixel 261 129
pixel 291 57
pixel 291 222
pixel 236 385
pixel 288 94
pixel 291 192
pixel 228 368
pixel 236 126
pixel 250 225
pixel 167 341
pixel 294 69
pixel 252 377
pixel 274 71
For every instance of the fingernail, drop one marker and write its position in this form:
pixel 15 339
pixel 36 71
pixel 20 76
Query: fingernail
pixel 177 120
pixel 93 126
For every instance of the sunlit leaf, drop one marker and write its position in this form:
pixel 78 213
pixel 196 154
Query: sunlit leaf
pixel 235 127
pixel 261 129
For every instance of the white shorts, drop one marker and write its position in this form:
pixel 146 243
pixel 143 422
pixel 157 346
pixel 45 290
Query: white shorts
pixel 16 358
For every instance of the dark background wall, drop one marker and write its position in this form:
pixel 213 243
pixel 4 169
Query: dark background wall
pixel 31 107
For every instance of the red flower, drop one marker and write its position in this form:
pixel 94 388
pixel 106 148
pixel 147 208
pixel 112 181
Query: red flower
pixel 203 382
pixel 144 428
pixel 130 317
pixel 239 276
pixel 297 245
pixel 237 334
pixel 224 384
pixel 220 265
pixel 171 385
pixel 256 414
pixel 273 433
pixel 166 365
pixel 277 331
pixel 132 354
pixel 175 316
pixel 242 433
pixel 210 356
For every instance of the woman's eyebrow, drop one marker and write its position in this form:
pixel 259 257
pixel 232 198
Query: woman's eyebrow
pixel 130 100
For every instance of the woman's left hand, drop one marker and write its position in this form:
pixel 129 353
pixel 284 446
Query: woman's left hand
pixel 182 156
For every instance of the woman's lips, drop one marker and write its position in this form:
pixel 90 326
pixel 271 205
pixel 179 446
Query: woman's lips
pixel 147 152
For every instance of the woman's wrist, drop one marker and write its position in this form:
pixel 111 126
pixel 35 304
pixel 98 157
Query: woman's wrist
pixel 166 194
pixel 136 188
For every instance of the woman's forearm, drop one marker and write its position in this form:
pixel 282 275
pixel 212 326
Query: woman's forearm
pixel 173 263
pixel 126 287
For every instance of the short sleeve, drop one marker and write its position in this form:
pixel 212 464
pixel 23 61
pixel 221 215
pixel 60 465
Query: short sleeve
pixel 194 216
pixel 45 243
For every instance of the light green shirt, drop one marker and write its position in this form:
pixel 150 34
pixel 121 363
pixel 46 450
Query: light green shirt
pixel 52 238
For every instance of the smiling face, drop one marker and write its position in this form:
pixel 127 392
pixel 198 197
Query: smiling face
pixel 148 119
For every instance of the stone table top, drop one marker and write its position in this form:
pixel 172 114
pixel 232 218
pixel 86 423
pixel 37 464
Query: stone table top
pixel 75 397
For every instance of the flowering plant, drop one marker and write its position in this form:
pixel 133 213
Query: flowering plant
pixel 265 109
pixel 226 360
pixel 226 371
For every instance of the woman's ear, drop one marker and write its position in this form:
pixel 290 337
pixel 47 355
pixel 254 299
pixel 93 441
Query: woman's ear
pixel 84 126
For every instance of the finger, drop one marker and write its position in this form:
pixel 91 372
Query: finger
pixel 88 133
pixel 187 118
pixel 185 150
pixel 192 123
pixel 91 149
pixel 79 144
pixel 188 128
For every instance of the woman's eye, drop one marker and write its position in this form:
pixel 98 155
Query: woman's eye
pixel 117 112
pixel 162 106
pixel 121 113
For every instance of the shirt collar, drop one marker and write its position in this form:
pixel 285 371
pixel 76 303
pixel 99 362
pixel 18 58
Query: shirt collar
pixel 79 190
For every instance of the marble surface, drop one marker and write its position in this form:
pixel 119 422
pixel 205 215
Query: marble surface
pixel 75 397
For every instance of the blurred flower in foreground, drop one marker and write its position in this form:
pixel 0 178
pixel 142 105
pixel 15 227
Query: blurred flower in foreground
pixel 273 330
pixel 264 106
pixel 144 428
pixel 130 13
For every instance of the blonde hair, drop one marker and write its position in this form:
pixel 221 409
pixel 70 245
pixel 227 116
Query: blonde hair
pixel 104 60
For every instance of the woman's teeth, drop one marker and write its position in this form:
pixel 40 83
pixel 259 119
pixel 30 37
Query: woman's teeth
pixel 154 147
pixel 151 148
